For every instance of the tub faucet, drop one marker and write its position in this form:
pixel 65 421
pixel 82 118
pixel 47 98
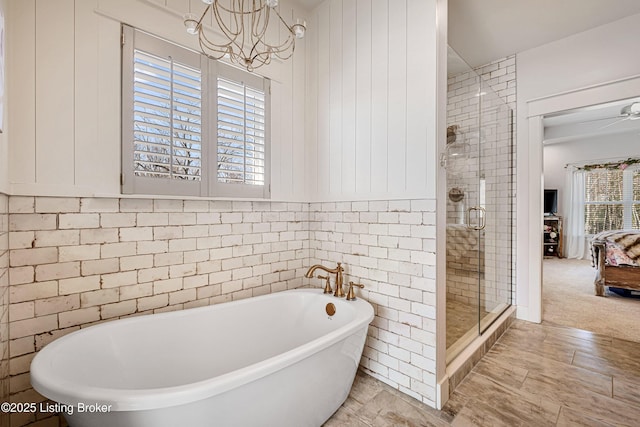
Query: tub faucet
pixel 337 271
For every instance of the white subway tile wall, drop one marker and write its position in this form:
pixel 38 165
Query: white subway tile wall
pixel 85 261
pixel 497 257
pixel 4 305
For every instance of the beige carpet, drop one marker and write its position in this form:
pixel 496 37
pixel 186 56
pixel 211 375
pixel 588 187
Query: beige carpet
pixel 569 300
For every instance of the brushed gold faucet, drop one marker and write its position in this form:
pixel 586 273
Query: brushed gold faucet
pixel 337 271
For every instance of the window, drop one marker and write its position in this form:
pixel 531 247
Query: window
pixel 241 130
pixel 191 126
pixel 612 199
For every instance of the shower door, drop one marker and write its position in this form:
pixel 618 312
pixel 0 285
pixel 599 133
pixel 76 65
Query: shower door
pixel 479 169
pixel 495 205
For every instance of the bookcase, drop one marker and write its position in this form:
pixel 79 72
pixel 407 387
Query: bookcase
pixel 552 236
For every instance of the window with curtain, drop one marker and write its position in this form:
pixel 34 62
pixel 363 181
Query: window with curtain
pixel 612 199
pixel 191 126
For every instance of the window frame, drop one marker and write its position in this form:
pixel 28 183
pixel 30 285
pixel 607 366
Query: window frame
pixel 208 185
pixel 627 202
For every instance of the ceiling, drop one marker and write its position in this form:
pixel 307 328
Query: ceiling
pixel 588 122
pixel 485 30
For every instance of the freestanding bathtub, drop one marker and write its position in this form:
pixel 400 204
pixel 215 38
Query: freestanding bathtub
pixel 273 360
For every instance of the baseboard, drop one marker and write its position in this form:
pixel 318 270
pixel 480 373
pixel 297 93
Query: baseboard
pixel 442 392
pixel 522 312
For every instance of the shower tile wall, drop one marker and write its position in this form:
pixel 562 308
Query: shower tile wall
pixel 75 262
pixel 389 246
pixel 465 251
pixel 4 305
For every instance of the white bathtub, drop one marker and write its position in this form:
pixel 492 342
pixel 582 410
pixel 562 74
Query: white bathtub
pixel 273 360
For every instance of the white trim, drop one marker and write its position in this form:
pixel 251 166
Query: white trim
pixel 618 87
pixel 536 132
pixel 442 381
pixel 442 392
pixel 529 205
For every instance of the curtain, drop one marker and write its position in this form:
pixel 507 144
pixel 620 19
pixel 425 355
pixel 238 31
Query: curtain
pixel 574 218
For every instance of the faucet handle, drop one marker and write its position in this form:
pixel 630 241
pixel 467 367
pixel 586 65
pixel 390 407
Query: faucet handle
pixel 327 285
pixel 350 294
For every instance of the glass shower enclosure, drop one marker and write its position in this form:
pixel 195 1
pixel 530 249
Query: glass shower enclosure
pixel 478 158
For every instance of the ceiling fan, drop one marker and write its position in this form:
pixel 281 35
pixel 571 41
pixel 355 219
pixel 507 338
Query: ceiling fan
pixel 628 112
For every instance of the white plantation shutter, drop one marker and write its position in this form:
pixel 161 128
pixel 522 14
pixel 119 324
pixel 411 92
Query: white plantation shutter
pixel 242 135
pixel 191 125
pixel 167 135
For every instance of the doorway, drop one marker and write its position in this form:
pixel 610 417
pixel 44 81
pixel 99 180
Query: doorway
pixel 530 200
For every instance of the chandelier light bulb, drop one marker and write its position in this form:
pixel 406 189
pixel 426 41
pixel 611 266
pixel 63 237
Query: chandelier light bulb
pixel 272 3
pixel 299 28
pixel 207 1
pixel 191 23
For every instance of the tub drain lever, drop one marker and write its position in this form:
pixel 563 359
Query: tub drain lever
pixel 350 294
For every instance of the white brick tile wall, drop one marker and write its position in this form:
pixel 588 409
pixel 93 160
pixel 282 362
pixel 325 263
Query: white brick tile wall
pixel 20 240
pixel 78 317
pixel 99 205
pixel 99 235
pixel 56 204
pixel 18 204
pixel 386 253
pixel 108 258
pixel 32 222
pixel 79 220
pixel 77 253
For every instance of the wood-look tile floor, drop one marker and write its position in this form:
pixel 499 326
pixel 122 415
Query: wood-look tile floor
pixel 535 375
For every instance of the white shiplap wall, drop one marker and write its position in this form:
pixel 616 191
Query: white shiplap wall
pixel 371 111
pixel 64 66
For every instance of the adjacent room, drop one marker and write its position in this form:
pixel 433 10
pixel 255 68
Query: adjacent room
pixel 590 174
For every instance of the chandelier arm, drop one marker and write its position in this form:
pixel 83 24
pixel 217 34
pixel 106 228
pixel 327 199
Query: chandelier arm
pixel 206 49
pixel 285 23
pixel 240 6
pixel 259 25
pixel 244 13
pixel 285 46
pixel 262 59
pixel 283 53
pixel 199 24
pixel 204 40
pixel 228 32
pixel 258 19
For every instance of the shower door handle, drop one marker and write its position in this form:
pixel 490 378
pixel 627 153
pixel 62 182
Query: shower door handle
pixel 481 216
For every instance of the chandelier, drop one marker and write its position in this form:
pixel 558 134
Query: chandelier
pixel 244 25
